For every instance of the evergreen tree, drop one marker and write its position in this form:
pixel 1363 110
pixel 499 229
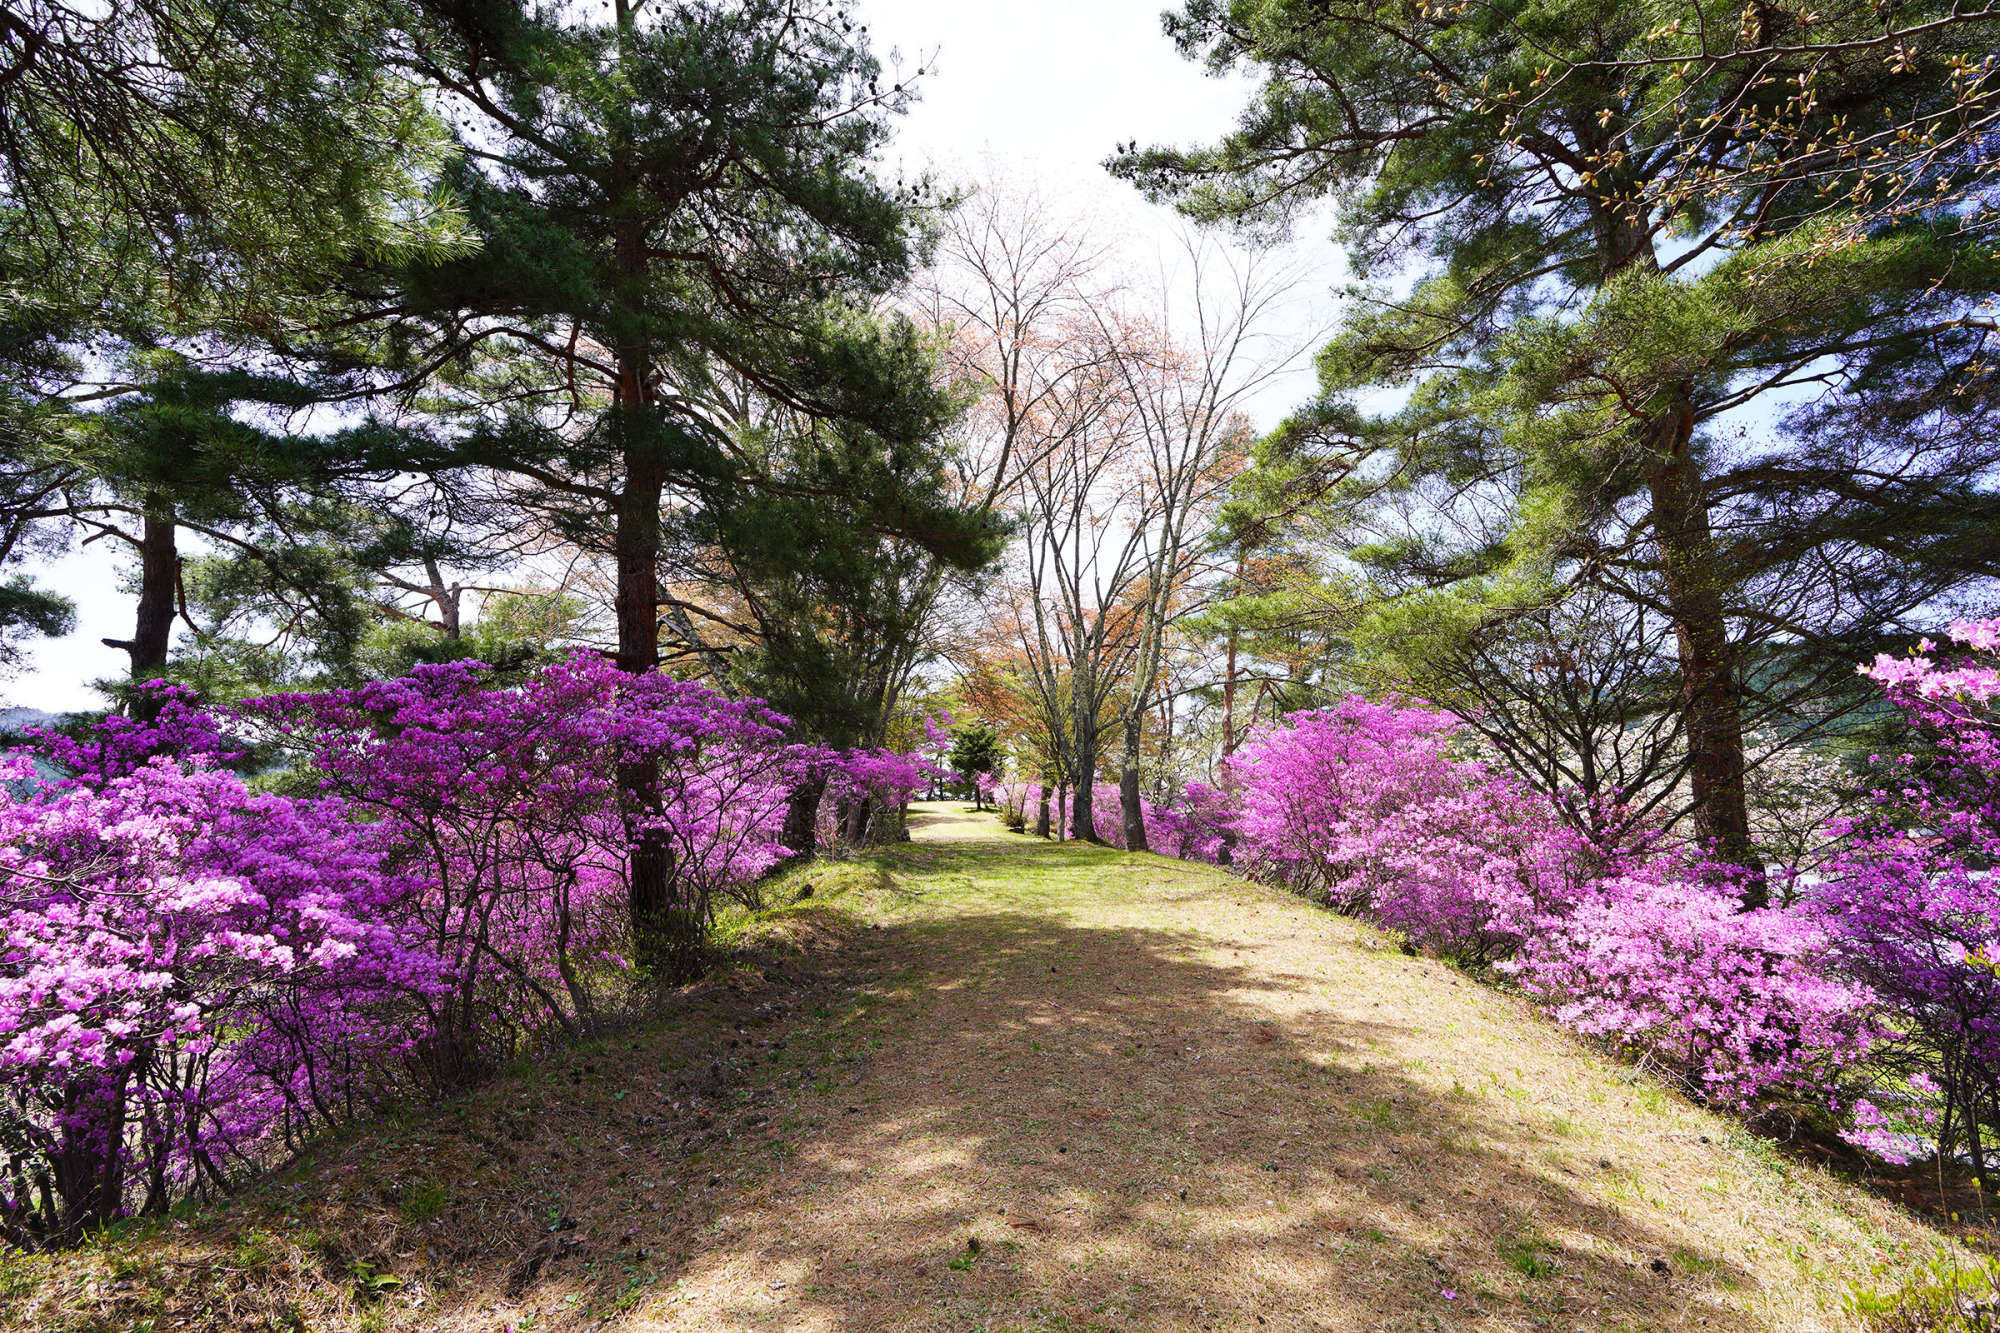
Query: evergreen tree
pixel 1585 321
pixel 674 206
pixel 818 575
pixel 201 163
pixel 188 175
pixel 300 526
pixel 975 749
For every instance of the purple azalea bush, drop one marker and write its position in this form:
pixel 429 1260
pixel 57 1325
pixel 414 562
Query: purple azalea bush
pixel 1912 911
pixel 508 804
pixel 1733 1005
pixel 188 969
pixel 1884 971
pixel 196 976
pixel 1367 807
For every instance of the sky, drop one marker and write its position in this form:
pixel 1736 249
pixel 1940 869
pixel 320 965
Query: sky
pixel 1037 89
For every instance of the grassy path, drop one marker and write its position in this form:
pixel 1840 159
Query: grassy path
pixel 984 1082
pixel 1157 1097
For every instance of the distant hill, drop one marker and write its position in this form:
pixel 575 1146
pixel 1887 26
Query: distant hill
pixel 14 719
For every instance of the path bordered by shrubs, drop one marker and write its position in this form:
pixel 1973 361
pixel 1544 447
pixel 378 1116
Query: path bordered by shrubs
pixel 1158 1097
pixel 982 1081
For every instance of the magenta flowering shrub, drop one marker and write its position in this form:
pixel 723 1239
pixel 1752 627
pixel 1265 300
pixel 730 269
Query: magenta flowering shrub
pixel 1196 825
pixel 115 746
pixel 193 975
pixel 1019 804
pixel 1911 908
pixel 1369 807
pixel 186 969
pixel 508 803
pixel 1734 1005
pixel 1366 807
pixel 865 792
pixel 1012 800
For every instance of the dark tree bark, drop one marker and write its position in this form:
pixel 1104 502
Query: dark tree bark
pixel 667 933
pixel 800 833
pixel 1710 700
pixel 159 593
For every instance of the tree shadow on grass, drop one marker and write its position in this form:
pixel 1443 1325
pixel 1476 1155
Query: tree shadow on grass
pixel 1136 1137
pixel 1137 1132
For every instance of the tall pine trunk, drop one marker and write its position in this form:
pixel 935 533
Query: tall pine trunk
pixel 1710 701
pixel 667 933
pixel 1696 583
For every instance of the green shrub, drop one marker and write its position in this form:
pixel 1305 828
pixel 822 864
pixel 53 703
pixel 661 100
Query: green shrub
pixel 1950 1294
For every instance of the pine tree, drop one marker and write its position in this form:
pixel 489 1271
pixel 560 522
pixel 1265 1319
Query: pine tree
pixel 675 206
pixel 1585 320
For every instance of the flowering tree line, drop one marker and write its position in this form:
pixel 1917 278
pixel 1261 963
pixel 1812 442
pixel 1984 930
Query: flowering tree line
pixel 195 974
pixel 1871 1000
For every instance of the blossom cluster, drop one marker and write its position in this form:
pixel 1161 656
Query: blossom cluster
pixel 1883 969
pixel 1379 809
pixel 1672 973
pixel 186 968
pixel 194 973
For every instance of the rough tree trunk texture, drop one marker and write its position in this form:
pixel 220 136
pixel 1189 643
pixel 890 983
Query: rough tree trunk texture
pixel 666 933
pixel 1131 808
pixel 800 835
pixel 159 589
pixel 1043 786
pixel 1695 583
pixel 858 812
pixel 88 1162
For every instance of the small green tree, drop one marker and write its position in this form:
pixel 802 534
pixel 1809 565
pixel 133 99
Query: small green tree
pixel 975 749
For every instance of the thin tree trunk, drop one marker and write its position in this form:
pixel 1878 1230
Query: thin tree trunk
pixel 1229 697
pixel 1695 582
pixel 1152 637
pixel 1131 807
pixel 1083 721
pixel 1042 809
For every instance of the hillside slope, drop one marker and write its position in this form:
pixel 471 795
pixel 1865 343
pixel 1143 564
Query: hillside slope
pixel 1008 1085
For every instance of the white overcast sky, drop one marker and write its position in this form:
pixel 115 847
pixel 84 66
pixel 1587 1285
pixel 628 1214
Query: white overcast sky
pixel 1042 89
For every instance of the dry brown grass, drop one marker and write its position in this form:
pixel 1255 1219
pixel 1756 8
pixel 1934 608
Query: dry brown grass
pixel 1035 1087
